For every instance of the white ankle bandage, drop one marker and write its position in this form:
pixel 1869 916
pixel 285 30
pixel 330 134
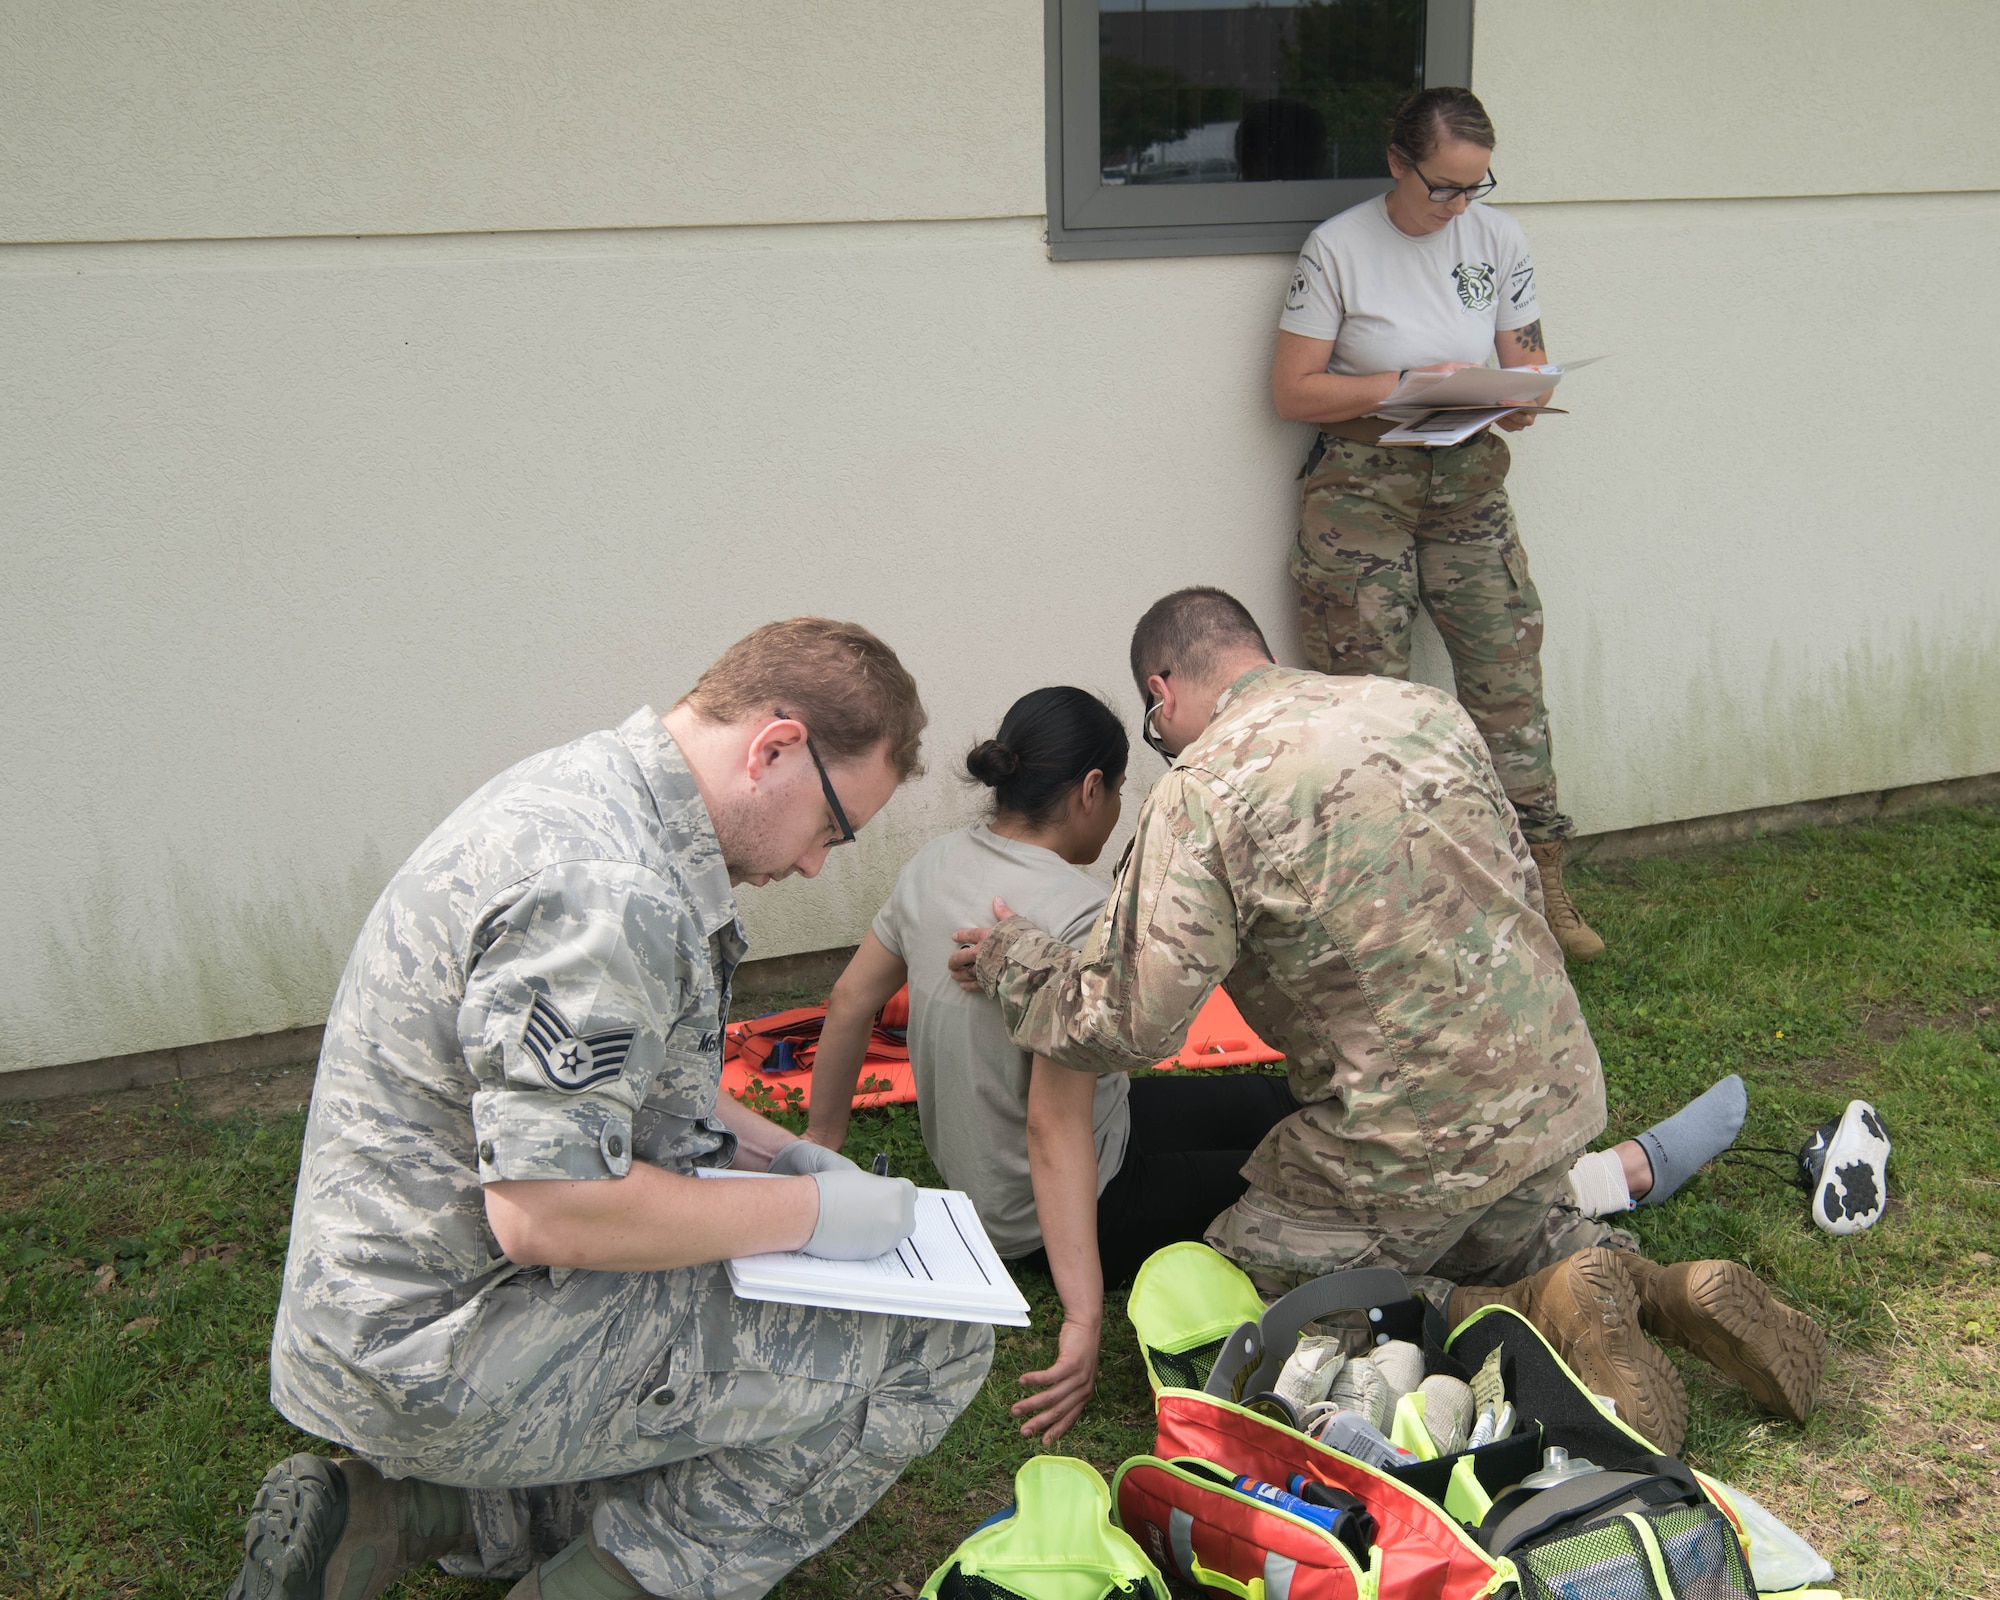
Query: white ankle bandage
pixel 1597 1182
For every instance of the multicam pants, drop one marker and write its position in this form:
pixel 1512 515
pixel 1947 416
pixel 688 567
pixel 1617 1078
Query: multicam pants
pixel 1381 528
pixel 710 1443
pixel 1530 1227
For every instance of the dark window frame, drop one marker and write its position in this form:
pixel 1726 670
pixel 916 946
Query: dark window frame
pixel 1091 220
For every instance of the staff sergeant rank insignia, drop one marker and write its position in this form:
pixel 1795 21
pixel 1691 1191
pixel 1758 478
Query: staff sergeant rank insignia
pixel 571 1060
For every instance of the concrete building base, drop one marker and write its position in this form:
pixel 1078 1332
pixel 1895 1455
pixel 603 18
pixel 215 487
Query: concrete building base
pixel 816 969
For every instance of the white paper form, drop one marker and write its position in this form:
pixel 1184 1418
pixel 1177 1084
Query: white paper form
pixel 947 1268
pixel 1441 428
pixel 1474 387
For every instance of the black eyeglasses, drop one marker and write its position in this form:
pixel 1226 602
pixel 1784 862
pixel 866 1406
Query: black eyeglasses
pixel 826 788
pixel 1445 193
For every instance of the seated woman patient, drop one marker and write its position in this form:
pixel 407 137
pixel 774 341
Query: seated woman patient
pixel 1082 1174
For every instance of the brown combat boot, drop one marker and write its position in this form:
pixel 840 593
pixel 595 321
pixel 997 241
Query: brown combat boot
pixel 1588 1308
pixel 323 1529
pixel 1578 939
pixel 1722 1312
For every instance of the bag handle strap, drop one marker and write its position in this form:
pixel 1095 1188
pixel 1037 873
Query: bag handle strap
pixel 1252 1357
pixel 1205 1578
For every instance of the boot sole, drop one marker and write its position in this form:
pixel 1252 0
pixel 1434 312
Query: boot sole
pixel 1614 1357
pixel 1776 1354
pixel 296 1520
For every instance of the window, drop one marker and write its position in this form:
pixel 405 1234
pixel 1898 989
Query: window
pixel 1198 127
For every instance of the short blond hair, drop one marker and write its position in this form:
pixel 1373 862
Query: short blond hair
pixel 837 678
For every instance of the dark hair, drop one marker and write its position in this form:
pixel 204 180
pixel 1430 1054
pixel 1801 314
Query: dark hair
pixel 1188 632
pixel 837 678
pixel 1424 120
pixel 1048 743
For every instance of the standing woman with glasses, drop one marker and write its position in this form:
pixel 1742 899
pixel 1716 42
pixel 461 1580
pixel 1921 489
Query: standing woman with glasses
pixel 1425 279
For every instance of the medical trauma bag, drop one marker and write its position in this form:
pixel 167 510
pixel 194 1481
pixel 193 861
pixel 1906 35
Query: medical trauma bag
pixel 1453 1527
pixel 1055 1542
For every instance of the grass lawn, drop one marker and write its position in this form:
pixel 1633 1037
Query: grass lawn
pixel 141 1240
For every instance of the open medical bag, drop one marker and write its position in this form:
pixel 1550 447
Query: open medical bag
pixel 1452 1527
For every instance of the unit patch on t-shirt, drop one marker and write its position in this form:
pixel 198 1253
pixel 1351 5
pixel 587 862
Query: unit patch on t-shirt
pixel 1301 288
pixel 1475 283
pixel 1521 284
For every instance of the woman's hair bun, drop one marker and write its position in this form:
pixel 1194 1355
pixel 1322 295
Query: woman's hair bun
pixel 992 763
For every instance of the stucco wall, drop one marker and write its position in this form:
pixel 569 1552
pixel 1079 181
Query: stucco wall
pixel 218 119
pixel 306 537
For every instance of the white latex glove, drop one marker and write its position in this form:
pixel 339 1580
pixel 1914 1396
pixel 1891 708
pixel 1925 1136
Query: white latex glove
pixel 860 1215
pixel 801 1158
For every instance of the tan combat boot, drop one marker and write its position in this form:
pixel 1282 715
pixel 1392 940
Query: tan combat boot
pixel 1578 939
pixel 1722 1312
pixel 1588 1308
pixel 323 1529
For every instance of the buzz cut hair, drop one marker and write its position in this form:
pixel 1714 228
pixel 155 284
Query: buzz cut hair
pixel 1186 634
pixel 837 678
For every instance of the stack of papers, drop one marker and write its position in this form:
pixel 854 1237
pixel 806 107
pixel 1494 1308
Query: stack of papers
pixel 1449 427
pixel 1444 408
pixel 946 1269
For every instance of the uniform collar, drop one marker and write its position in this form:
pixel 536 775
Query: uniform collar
pixel 1242 689
pixel 684 821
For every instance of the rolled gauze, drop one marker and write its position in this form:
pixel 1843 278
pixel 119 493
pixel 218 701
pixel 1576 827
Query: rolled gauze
pixel 1402 1363
pixel 1448 1412
pixel 1362 1388
pixel 1309 1371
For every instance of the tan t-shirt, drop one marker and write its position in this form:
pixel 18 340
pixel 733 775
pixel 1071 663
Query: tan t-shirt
pixel 1388 301
pixel 972 1080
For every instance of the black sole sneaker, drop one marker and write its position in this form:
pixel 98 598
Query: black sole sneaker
pixel 1845 1168
pixel 296 1520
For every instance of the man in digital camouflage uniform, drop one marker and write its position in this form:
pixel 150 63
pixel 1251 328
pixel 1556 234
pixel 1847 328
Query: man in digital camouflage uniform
pixel 1340 854
pixel 504 1294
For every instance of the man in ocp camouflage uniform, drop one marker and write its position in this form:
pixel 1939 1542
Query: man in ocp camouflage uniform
pixel 505 1294
pixel 1339 853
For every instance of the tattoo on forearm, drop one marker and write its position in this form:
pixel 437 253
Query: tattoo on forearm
pixel 1530 339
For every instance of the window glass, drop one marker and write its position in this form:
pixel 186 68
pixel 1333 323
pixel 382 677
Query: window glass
pixel 1241 91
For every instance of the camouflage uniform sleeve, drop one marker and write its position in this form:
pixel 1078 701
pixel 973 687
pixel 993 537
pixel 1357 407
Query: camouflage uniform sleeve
pixel 1166 940
pixel 576 985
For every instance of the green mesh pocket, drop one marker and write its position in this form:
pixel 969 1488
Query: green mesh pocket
pixel 1186 1369
pixel 1701 1554
pixel 1609 1560
pixel 1603 1562
pixel 957 1585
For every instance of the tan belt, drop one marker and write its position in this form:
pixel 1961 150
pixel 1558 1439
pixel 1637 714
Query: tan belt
pixel 1362 430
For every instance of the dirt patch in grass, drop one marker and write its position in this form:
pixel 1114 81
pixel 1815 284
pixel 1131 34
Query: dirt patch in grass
pixel 42 1140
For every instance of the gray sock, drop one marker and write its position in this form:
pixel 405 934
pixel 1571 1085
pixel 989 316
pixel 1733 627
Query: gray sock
pixel 1692 1137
